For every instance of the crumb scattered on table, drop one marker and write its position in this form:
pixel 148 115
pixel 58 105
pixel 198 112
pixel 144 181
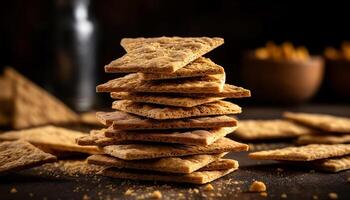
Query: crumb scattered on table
pixel 333 195
pixel 257 186
pixel 208 187
pixel 13 190
pixel 156 195
pixel 284 196
pixel 128 192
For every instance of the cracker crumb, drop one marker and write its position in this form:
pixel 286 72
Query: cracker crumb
pixel 314 197
pixel 128 192
pixel 156 195
pixel 263 194
pixel 333 195
pixel 86 197
pixel 257 186
pixel 31 194
pixel 284 196
pixel 196 190
pixel 208 187
pixel 13 190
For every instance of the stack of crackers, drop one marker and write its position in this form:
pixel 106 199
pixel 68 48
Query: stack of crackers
pixel 170 119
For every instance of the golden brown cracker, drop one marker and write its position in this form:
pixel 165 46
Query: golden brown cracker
pixel 328 123
pixel 164 99
pixel 167 112
pixel 228 91
pixel 333 164
pixel 200 67
pixel 198 177
pixel 134 83
pixel 123 120
pixel 33 106
pixel 161 54
pixel 323 139
pixel 17 155
pixel 149 151
pixel 186 164
pixel 195 137
pixel 52 137
pixel 270 129
pixel 220 164
pixel 303 153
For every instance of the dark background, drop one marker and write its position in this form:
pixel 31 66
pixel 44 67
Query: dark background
pixel 26 29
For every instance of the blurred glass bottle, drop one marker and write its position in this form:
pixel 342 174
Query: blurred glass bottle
pixel 74 53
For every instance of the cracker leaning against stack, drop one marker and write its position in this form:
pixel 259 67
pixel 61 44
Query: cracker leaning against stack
pixel 171 120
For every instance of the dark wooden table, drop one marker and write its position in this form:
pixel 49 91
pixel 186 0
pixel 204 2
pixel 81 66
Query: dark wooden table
pixel 295 182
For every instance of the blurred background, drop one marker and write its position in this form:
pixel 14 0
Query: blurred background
pixel 63 45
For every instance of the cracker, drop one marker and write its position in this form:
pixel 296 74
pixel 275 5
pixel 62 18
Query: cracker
pixel 161 54
pixel 134 83
pixel 200 67
pixel 323 139
pixel 33 106
pixel 229 91
pixel 51 137
pixel 270 129
pixel 163 112
pixel 198 177
pixel 149 151
pixel 329 123
pixel 98 138
pixel 181 165
pixel 17 155
pixel 6 96
pixel 164 99
pixel 220 164
pixel 122 120
pixel 195 137
pixel 303 153
pixel 333 164
pixel 89 118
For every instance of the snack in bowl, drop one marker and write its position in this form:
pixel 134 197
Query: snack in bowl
pixel 282 74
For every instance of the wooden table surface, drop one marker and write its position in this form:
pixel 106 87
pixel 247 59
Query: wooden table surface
pixel 295 182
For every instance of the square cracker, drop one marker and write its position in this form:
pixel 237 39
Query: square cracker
pixel 164 99
pixel 51 137
pixel 97 138
pixel 181 165
pixel 17 155
pixel 198 177
pixel 328 123
pixel 270 129
pixel 220 164
pixel 33 106
pixel 195 137
pixel 200 67
pixel 191 137
pixel 149 151
pixel 228 91
pixel 161 54
pixel 126 121
pixel 333 164
pixel 134 83
pixel 167 112
pixel 323 139
pixel 303 153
